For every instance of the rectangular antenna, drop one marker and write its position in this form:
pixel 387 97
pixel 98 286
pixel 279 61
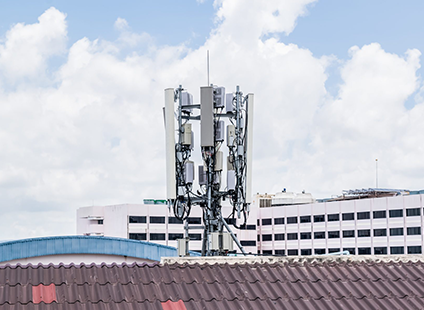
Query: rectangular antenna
pixel 170 144
pixel 206 117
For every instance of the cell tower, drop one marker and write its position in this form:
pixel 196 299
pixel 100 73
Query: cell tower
pixel 216 109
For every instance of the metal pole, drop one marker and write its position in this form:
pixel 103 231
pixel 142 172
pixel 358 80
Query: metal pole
pixel 233 236
pixel 208 228
pixel 376 173
pixel 187 238
pixel 239 145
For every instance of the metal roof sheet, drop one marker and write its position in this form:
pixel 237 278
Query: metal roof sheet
pixel 332 285
pixel 59 245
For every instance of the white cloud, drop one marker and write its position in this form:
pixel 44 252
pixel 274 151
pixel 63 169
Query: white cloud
pixel 27 47
pixel 121 24
pixel 92 132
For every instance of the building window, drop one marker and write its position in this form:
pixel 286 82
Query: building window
pixel 305 235
pixel 258 222
pixel 279 221
pixel 333 250
pixel 157 220
pixel 305 219
pixel 266 222
pixel 334 234
pixel 319 218
pixel 348 234
pixel 380 251
pixel 413 230
pixel 348 216
pixel 138 236
pixel 137 219
pixel 319 235
pixel 292 220
pixel 248 227
pixel 363 215
pixel 175 236
pixel 333 217
pixel 396 213
pixel 364 233
pixel 265 203
pixel 174 220
pixel 319 251
pixel 381 232
pixel 364 251
pixel 194 220
pixel 397 250
pixel 258 237
pixel 248 242
pixel 350 250
pixel 396 231
pixel 413 212
pixel 278 237
pixel 267 252
pixel 280 252
pixel 414 249
pixel 266 237
pixel 157 236
pixel 195 236
pixel 292 236
pixel 99 222
pixel 306 252
pixel 379 214
pixel 292 252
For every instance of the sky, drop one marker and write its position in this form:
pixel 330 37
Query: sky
pixel 337 84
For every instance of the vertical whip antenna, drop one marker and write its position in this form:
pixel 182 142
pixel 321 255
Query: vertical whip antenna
pixel 207 60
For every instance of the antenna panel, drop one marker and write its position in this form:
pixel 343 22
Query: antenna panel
pixel 231 135
pixel 187 134
pixel 206 117
pixel 220 131
pixel 229 103
pixel 202 176
pixel 187 99
pixel 189 172
pixel 219 97
pixel 218 161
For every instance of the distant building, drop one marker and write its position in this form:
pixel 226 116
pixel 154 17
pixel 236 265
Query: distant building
pixel 371 221
pixel 357 223
pixel 153 222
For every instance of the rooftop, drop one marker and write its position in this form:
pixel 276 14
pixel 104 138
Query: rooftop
pixel 344 282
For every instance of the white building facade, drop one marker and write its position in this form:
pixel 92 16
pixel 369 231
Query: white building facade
pixel 390 225
pixel 276 226
pixel 154 222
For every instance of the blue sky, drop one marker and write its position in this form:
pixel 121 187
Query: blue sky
pixel 330 27
pixel 167 22
pixel 79 122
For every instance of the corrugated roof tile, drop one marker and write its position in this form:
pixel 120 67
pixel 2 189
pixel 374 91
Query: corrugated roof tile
pixel 343 285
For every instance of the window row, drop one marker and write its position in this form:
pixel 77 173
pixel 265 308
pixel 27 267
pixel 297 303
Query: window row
pixel 173 220
pixel 345 234
pixel 160 236
pixel 345 216
pixel 161 220
pixel 361 251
